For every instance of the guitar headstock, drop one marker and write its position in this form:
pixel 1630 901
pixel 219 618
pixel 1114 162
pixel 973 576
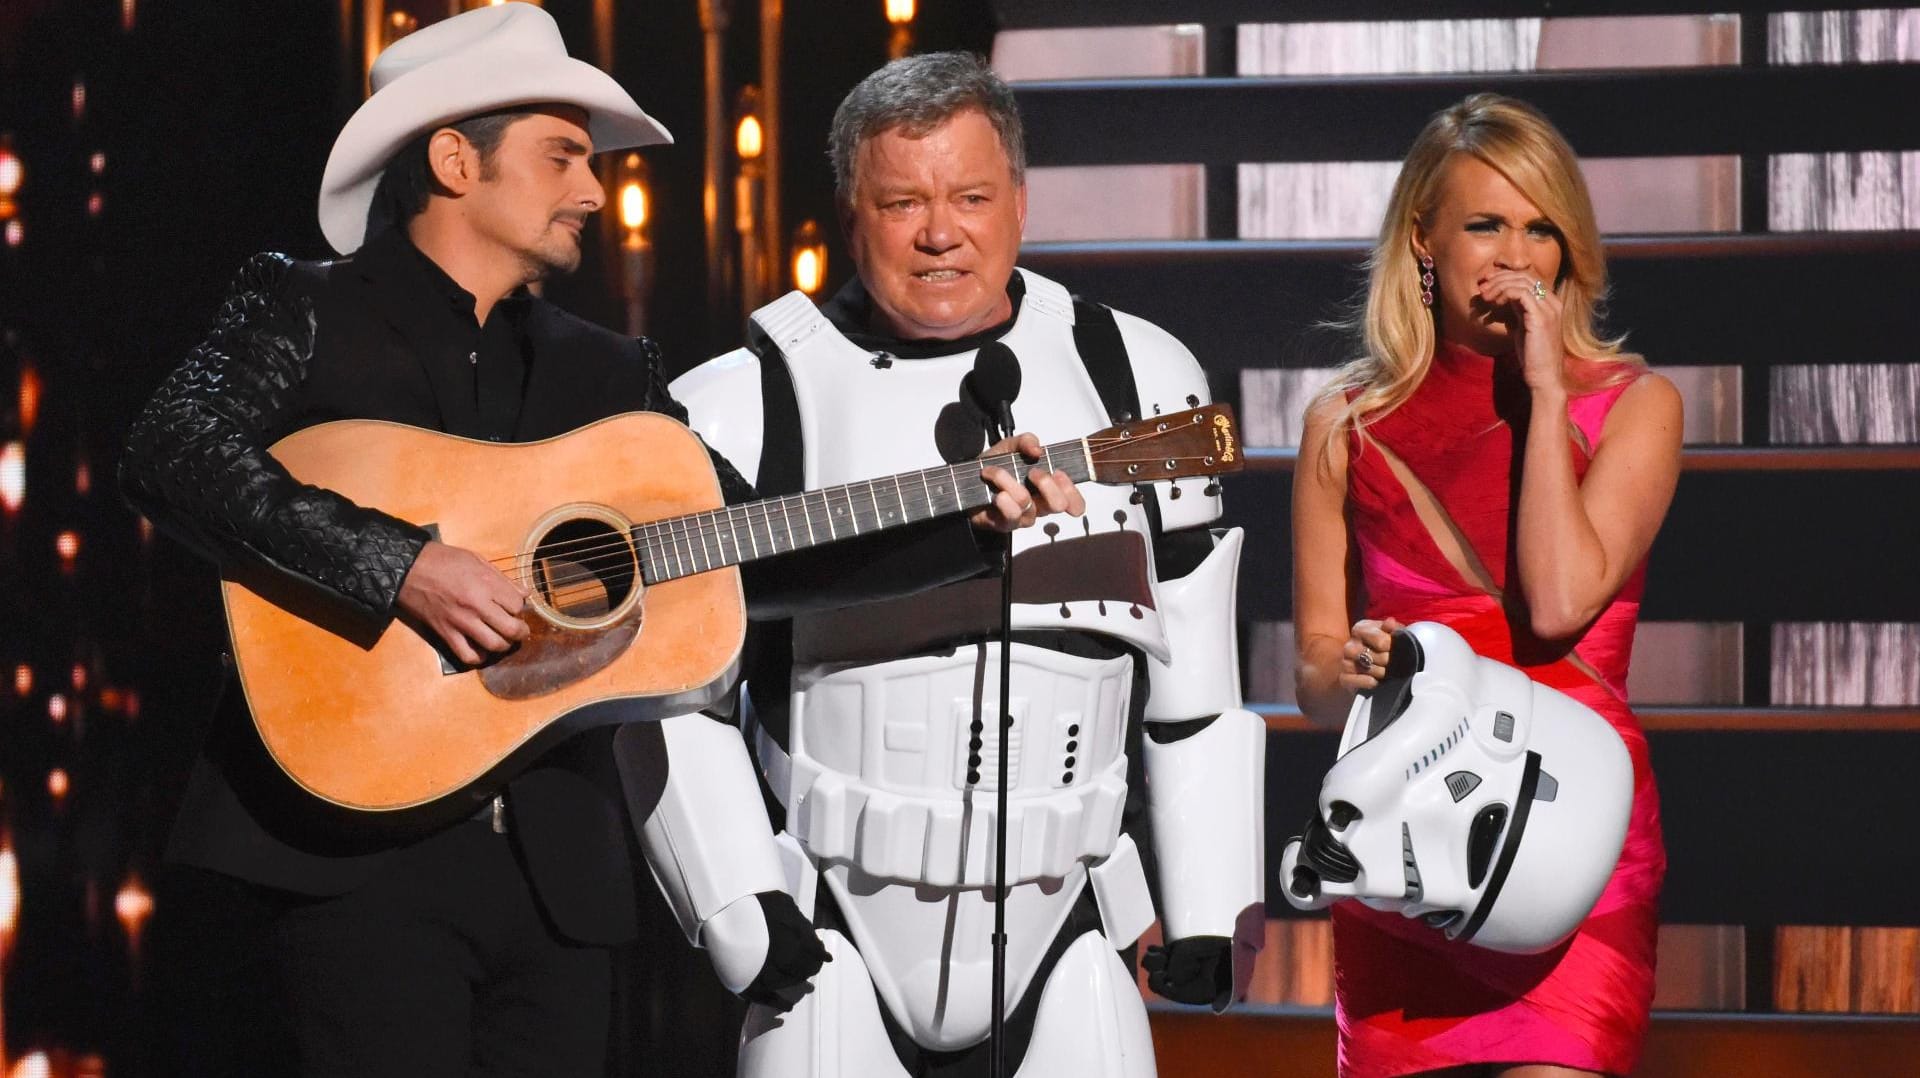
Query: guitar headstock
pixel 1198 441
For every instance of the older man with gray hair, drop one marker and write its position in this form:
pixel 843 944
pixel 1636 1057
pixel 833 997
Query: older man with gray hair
pixel 876 727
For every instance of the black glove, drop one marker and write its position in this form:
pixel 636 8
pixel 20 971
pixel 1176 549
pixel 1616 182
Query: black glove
pixel 1197 969
pixel 794 954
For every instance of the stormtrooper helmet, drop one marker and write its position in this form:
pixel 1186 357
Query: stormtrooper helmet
pixel 1465 794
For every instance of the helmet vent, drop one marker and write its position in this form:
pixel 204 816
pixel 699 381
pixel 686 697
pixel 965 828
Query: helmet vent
pixel 1480 839
pixel 1332 860
pixel 1547 790
pixel 1503 726
pixel 1458 734
pixel 1462 783
pixel 1414 892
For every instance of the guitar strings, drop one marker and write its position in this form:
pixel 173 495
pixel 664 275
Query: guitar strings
pixel 609 558
pixel 614 560
pixel 1095 445
pixel 619 548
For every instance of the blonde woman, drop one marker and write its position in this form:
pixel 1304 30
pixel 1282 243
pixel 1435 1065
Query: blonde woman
pixel 1492 463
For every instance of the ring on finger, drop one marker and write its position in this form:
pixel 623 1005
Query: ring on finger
pixel 1539 290
pixel 1363 662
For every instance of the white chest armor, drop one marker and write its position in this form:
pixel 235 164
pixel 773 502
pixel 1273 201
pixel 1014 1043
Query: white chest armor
pixel 881 773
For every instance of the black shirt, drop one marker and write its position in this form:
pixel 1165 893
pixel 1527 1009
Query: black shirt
pixel 494 359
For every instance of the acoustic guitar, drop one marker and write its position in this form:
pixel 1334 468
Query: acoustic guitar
pixel 619 531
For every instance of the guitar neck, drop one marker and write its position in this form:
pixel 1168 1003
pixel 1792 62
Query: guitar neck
pixel 700 542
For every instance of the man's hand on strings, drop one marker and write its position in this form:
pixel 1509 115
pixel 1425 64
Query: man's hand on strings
pixel 1016 505
pixel 465 601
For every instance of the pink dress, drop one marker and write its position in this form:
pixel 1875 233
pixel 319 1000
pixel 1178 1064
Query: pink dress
pixel 1407 999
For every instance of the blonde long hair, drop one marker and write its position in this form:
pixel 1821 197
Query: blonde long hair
pixel 1517 141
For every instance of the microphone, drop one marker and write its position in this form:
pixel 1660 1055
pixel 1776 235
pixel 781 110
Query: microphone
pixel 993 384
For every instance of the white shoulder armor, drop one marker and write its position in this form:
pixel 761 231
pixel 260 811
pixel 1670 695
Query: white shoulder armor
pixel 722 398
pixel 1169 379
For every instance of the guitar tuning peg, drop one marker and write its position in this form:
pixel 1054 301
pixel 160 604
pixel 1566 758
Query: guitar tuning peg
pixel 1174 492
pixel 1138 497
pixel 1193 400
pixel 1064 612
pixel 1212 489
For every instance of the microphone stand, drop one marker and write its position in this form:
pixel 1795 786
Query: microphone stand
pixel 996 1030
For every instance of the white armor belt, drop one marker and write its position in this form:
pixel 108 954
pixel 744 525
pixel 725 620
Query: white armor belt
pixel 881 778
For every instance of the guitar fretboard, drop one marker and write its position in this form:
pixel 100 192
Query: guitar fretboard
pixel 699 542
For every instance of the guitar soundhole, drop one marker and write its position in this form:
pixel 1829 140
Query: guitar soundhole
pixel 584 569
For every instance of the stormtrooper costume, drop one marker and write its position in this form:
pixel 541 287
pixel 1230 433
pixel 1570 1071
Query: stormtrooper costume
pixel 1466 795
pixel 877 731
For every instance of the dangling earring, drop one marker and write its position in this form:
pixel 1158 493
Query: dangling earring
pixel 1426 280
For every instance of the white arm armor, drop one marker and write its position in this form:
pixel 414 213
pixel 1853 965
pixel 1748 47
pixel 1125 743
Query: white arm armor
pixel 705 834
pixel 1167 376
pixel 722 398
pixel 1207 791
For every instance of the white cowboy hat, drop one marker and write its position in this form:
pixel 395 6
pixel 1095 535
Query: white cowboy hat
pixel 475 62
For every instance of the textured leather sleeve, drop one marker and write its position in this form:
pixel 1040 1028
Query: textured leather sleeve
pixel 197 465
pixel 733 486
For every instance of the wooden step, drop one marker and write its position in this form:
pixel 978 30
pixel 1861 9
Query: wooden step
pixel 1683 299
pixel 1044 14
pixel 1285 1043
pixel 1704 110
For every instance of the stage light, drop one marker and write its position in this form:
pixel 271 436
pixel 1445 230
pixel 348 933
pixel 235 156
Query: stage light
pixel 809 258
pixel 633 205
pixel 79 99
pixel 13 476
pixel 900 12
pixel 16 233
pixel 29 399
pixel 57 708
pixel 22 679
pixel 748 138
pixel 58 784
pixel 97 164
pixel 79 677
pixel 133 905
pixel 67 545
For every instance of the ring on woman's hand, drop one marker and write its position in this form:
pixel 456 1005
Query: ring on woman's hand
pixel 1539 290
pixel 1363 662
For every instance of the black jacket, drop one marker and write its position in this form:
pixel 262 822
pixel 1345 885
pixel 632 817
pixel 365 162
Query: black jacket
pixel 299 343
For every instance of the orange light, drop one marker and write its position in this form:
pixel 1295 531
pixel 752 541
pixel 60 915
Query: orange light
pixel 900 12
pixel 79 98
pixel 110 699
pixel 79 677
pixel 809 258
pixel 67 545
pixel 29 391
pixel 12 172
pixel 22 679
pixel 58 784
pixel 146 531
pixel 96 202
pixel 13 476
pixel 749 139
pixel 633 205
pixel 133 905
pixel 131 704
pixel 82 478
pixel 128 13
pixel 9 890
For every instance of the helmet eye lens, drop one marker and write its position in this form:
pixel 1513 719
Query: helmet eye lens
pixel 1487 824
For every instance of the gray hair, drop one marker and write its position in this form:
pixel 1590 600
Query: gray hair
pixel 918 94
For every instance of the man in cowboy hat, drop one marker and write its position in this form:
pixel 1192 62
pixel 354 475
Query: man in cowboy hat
pixel 482 944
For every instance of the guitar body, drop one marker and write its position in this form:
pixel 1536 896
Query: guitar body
pixel 387 722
